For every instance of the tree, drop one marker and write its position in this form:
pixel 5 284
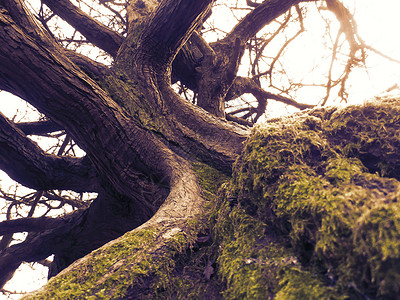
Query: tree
pixel 153 158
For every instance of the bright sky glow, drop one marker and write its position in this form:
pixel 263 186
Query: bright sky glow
pixel 378 25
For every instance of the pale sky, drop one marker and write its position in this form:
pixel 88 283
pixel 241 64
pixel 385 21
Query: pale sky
pixel 378 24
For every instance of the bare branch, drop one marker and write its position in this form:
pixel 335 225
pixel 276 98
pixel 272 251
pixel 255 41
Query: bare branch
pixel 25 162
pixel 39 127
pixel 239 120
pixel 36 246
pixel 28 225
pixel 265 43
pixel 243 85
pixel 262 15
pixel 97 33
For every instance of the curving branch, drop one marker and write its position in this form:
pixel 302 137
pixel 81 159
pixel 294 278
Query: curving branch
pixel 29 225
pixel 87 65
pixel 243 85
pixel 219 69
pixel 262 15
pixel 25 162
pixel 357 48
pixel 95 32
pixel 64 85
pixel 168 29
pixel 39 127
pixel 251 3
pixel 36 247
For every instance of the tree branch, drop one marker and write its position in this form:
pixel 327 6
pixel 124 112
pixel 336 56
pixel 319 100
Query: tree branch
pixel 96 33
pixel 238 120
pixel 25 162
pixel 36 246
pixel 262 15
pixel 39 127
pixel 170 27
pixel 87 65
pixel 28 225
pixel 218 73
pixel 99 125
pixel 252 3
pixel 242 85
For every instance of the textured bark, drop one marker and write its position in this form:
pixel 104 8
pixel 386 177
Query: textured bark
pixel 125 153
pixel 222 58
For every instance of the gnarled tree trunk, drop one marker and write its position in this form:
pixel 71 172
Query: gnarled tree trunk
pixel 139 136
pixel 153 158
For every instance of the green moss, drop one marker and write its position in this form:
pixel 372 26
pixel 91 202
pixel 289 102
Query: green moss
pixel 209 178
pixel 129 265
pixel 308 214
pixel 188 279
pixel 129 93
pixel 111 271
pixel 318 182
pixel 297 284
pixel 126 92
pixel 255 264
pixel 370 133
pixel 88 280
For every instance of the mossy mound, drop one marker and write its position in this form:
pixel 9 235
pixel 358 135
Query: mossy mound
pixel 255 263
pixel 326 184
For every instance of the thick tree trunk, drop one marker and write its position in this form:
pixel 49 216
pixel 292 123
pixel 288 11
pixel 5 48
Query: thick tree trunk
pixel 137 133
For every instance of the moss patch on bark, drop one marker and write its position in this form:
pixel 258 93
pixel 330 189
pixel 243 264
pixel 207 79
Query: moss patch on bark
pixel 325 183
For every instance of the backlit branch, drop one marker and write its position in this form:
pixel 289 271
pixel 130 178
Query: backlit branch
pixel 29 225
pixel 242 85
pixel 357 52
pixel 262 15
pixel 282 48
pixel 97 33
pixel 25 162
pixel 36 247
pixel 38 128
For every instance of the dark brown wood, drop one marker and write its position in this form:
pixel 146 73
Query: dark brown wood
pixel 28 164
pixel 39 127
pixel 139 135
pixel 97 33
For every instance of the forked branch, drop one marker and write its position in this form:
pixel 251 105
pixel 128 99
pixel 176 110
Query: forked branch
pixel 26 162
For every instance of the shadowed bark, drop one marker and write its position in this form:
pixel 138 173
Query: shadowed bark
pixel 26 163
